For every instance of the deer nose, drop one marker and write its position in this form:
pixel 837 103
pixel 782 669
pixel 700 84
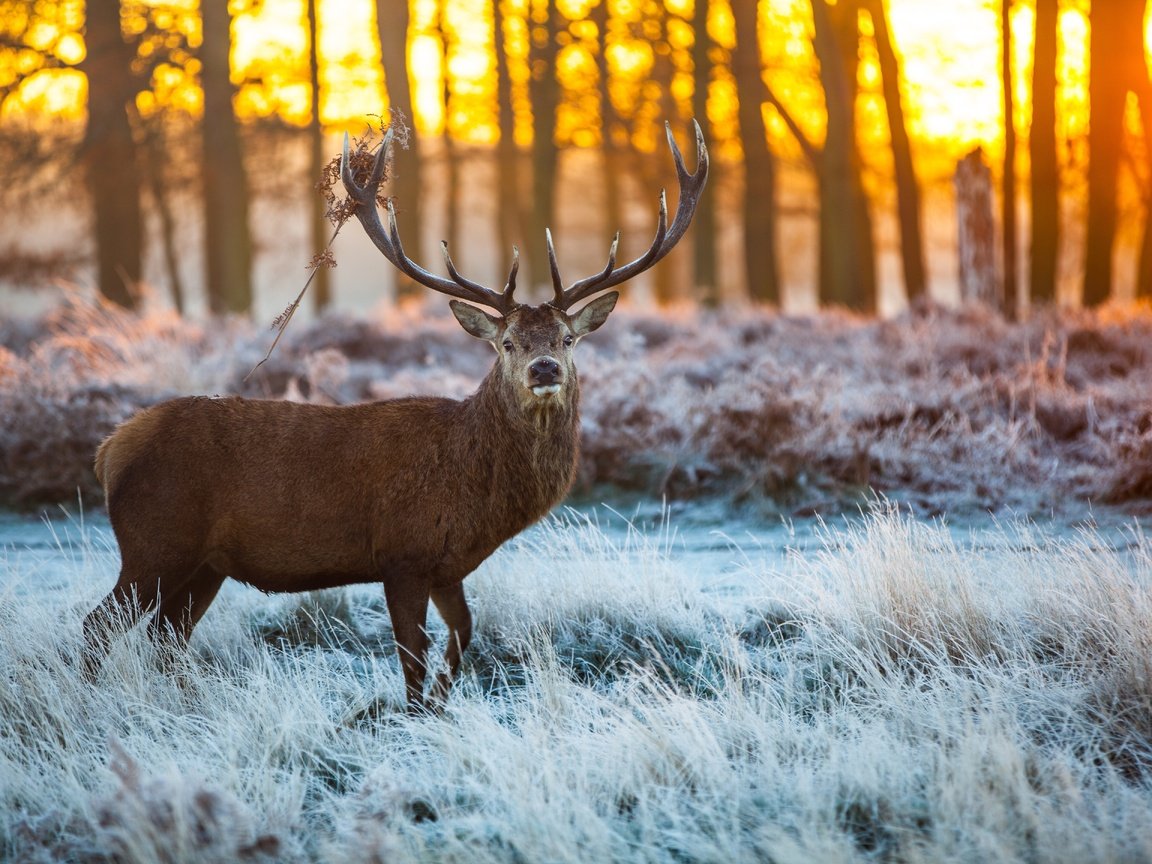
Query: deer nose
pixel 545 370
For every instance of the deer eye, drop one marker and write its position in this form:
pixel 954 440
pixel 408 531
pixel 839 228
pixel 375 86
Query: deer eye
pixel 568 340
pixel 508 346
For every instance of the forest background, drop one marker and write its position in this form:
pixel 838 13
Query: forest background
pixel 171 151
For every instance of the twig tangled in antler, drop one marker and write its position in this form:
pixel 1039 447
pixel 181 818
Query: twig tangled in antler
pixel 361 158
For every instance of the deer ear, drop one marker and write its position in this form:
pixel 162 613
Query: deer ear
pixel 594 314
pixel 476 321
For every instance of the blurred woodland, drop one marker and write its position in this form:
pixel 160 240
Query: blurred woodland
pixel 164 123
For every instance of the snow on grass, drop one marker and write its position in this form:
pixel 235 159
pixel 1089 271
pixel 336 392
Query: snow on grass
pixel 945 409
pixel 893 695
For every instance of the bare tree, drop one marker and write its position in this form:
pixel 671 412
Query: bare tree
pixel 1008 190
pixel 109 154
pixel 1045 171
pixel 704 249
pixel 761 267
pixel 156 156
pixel 317 224
pixel 847 256
pixel 612 164
pixel 1115 45
pixel 508 154
pixel 392 24
pixel 450 155
pixel 544 89
pixel 908 207
pixel 228 241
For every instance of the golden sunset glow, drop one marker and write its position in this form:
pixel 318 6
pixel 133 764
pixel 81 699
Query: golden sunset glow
pixel 949 52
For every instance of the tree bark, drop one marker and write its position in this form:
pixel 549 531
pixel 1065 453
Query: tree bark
pixel 109 153
pixel 1144 263
pixel 1045 170
pixel 666 287
pixel 1008 190
pixel 451 155
pixel 392 26
pixel 609 121
pixel 507 154
pixel 847 254
pixel 1142 85
pixel 156 157
pixel 544 89
pixel 318 226
pixel 761 267
pixel 228 243
pixel 1116 29
pixel 907 189
pixel 704 230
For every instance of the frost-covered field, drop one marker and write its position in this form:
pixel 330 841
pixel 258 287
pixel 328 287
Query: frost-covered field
pixel 879 689
pixel 880 692
pixel 947 410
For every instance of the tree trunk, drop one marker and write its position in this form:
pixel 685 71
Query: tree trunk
pixel 156 157
pixel 610 161
pixel 228 244
pixel 1144 263
pixel 761 267
pixel 318 226
pixel 907 189
pixel 1008 192
pixel 847 255
pixel 109 153
pixel 544 90
pixel 451 156
pixel 1045 170
pixel 1143 87
pixel 704 230
pixel 392 26
pixel 976 232
pixel 508 173
pixel 1116 26
pixel 665 286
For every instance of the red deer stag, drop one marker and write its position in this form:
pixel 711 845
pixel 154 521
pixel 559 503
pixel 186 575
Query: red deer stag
pixel 413 492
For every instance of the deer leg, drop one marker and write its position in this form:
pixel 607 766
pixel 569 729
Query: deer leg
pixel 407 599
pixel 130 599
pixel 180 611
pixel 453 608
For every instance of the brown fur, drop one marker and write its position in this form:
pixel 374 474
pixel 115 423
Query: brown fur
pixel 414 493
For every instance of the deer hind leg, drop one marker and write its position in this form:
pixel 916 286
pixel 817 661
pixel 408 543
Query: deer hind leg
pixel 453 608
pixel 133 596
pixel 407 599
pixel 183 607
pixel 142 583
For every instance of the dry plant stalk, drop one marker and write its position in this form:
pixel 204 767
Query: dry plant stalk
pixel 361 157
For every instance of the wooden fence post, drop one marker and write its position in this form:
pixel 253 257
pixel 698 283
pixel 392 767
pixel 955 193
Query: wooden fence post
pixel 976 230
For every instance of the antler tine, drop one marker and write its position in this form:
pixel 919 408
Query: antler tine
pixel 557 282
pixel 510 285
pixel 388 240
pixel 667 236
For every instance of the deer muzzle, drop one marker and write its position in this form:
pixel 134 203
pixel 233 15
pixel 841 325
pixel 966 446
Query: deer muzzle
pixel 545 376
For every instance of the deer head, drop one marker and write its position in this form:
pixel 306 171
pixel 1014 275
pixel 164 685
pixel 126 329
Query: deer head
pixel 534 343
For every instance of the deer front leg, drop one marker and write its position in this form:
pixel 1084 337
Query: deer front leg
pixel 453 608
pixel 407 599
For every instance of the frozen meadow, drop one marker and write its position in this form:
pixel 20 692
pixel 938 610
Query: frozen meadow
pixel 729 678
pixel 883 688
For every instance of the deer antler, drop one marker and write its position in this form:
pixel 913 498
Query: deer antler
pixel 388 241
pixel 691 185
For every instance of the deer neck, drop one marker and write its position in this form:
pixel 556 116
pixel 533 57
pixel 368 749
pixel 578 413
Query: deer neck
pixel 536 441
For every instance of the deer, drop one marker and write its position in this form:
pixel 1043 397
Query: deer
pixel 413 492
